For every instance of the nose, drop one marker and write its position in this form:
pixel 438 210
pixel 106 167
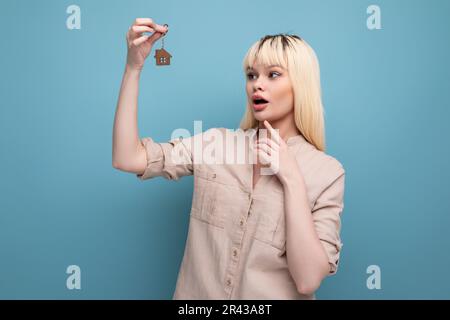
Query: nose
pixel 258 84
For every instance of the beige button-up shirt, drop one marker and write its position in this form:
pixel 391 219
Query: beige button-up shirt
pixel 236 243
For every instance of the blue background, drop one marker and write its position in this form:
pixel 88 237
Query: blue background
pixel 385 95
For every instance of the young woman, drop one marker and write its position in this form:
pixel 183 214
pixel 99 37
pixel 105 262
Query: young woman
pixel 252 234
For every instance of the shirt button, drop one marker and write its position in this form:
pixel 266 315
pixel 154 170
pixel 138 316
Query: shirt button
pixel 241 222
pixel 228 282
pixel 234 252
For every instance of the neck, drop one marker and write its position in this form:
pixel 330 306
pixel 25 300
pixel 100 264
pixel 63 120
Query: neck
pixel 286 129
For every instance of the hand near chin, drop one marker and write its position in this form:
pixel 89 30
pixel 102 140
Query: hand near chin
pixel 274 152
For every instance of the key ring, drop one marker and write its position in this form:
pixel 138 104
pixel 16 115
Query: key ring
pixel 165 25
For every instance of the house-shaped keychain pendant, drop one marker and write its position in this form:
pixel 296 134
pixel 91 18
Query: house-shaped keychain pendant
pixel 162 57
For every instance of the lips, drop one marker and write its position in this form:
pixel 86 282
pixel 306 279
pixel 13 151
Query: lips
pixel 260 106
pixel 259 102
pixel 259 99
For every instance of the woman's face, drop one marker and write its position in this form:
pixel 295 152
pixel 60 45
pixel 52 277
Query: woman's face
pixel 273 85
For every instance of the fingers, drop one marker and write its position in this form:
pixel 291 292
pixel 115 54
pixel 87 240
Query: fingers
pixel 264 157
pixel 269 142
pixel 140 40
pixel 143 22
pixel 155 36
pixel 140 29
pixel 265 148
pixel 257 151
pixel 135 33
pixel 273 133
pixel 150 23
pixel 141 25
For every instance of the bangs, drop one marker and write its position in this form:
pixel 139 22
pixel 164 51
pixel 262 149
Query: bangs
pixel 270 51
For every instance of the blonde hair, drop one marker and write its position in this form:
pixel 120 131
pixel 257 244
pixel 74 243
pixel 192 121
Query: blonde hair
pixel 295 55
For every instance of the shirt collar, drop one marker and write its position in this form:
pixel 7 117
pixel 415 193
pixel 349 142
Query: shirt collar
pixel 298 139
pixel 291 141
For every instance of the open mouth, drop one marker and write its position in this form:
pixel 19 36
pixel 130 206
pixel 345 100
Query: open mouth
pixel 260 101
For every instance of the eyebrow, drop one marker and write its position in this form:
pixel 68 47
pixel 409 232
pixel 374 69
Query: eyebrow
pixel 272 65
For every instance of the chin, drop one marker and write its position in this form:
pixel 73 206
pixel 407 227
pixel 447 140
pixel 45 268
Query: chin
pixel 263 115
pixel 260 117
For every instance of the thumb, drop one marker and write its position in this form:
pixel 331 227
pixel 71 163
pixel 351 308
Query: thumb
pixel 154 37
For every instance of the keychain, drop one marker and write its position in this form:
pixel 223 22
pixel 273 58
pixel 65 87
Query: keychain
pixel 161 55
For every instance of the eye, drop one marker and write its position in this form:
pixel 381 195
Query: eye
pixel 275 73
pixel 250 75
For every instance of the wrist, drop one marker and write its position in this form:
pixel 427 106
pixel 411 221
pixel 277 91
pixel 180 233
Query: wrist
pixel 133 69
pixel 294 180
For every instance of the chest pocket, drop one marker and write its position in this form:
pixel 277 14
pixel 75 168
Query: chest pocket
pixel 204 200
pixel 270 222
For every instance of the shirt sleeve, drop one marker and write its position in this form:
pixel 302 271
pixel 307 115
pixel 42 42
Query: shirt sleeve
pixel 327 218
pixel 171 160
